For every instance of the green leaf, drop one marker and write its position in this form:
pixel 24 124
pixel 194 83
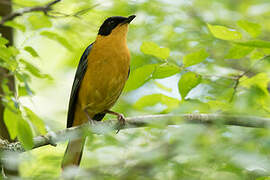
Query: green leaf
pixel 58 38
pixel 260 80
pixel 8 53
pixel 255 43
pixel 161 86
pixel 139 76
pixel 238 51
pixel 187 82
pixel 36 121
pixel 195 57
pixel 25 134
pixel 31 51
pixel 25 89
pixel 3 41
pixel 28 89
pixel 5 89
pixel 5 53
pixel 39 21
pixel 32 69
pixel 165 70
pixel 13 50
pixel 22 91
pixel 224 33
pixel 153 49
pixel 11 119
pixel 256 54
pixel 251 28
pixel 153 99
pixel 23 77
pixel 15 25
pixel 26 3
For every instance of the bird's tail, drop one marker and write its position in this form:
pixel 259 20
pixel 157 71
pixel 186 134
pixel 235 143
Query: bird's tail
pixel 73 154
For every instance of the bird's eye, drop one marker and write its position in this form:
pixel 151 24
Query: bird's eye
pixel 111 22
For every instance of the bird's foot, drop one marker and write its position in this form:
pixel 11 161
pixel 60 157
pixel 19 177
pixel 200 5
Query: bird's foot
pixel 120 117
pixel 91 121
pixel 49 140
pixel 122 122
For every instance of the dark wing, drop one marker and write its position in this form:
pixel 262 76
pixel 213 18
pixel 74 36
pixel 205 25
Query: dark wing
pixel 128 73
pixel 76 85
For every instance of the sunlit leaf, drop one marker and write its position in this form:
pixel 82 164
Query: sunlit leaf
pixel 251 28
pixel 31 51
pixel 39 21
pixel 25 134
pixel 257 54
pixel 22 91
pixel 3 41
pixel 195 57
pixel 153 49
pixel 11 119
pixel 255 43
pixel 222 32
pixel 4 53
pixel 53 36
pixel 8 53
pixel 27 2
pixel 218 105
pixel 139 76
pixel 32 69
pixel 15 25
pixel 238 51
pixel 161 86
pixel 153 99
pixel 187 82
pixel 193 105
pixel 260 80
pixel 28 89
pixel 36 121
pixel 14 50
pixel 25 88
pixel 165 70
pixel 22 77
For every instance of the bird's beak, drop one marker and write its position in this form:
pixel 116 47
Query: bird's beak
pixel 129 19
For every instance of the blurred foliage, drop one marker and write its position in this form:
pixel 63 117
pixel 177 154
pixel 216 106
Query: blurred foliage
pixel 187 57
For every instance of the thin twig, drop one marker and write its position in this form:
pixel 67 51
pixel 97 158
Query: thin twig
pixel 76 14
pixel 237 78
pixel 141 121
pixel 45 9
pixel 235 86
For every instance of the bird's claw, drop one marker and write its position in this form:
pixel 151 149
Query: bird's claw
pixel 121 122
pixel 49 140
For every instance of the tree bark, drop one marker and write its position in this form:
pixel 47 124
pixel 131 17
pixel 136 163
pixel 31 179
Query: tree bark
pixel 5 9
pixel 6 32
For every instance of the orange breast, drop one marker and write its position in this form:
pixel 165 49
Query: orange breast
pixel 105 77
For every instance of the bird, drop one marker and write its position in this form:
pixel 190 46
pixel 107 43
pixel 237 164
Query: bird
pixel 100 77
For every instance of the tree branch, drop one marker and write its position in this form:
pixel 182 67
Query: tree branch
pixel 140 121
pixel 45 9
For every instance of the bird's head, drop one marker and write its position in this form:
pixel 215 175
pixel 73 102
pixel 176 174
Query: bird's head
pixel 115 26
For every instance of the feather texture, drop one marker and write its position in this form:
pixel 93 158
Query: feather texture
pixel 81 69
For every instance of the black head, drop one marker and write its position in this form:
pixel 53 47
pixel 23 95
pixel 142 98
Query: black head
pixel 110 23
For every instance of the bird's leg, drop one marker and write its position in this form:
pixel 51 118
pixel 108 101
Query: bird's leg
pixel 91 121
pixel 120 117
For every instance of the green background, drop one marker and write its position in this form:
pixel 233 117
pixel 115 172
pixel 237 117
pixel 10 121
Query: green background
pixel 187 57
